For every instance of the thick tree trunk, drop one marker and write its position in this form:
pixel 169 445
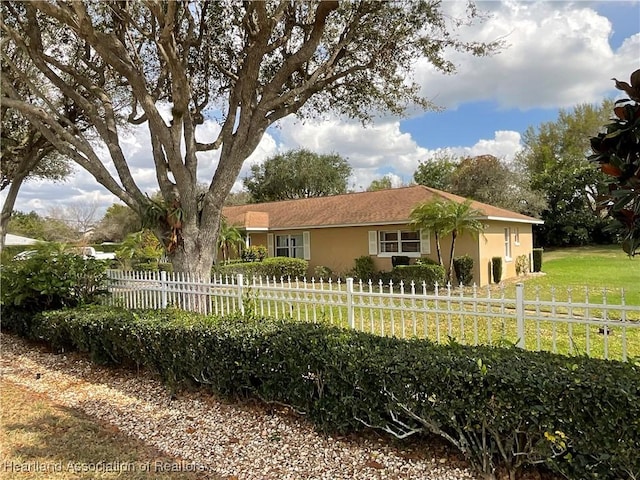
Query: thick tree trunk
pixel 195 250
pixel 194 259
pixel 7 207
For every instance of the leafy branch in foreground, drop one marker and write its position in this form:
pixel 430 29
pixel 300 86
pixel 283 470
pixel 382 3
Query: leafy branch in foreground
pixel 617 150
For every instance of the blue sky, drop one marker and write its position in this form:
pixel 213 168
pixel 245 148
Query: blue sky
pixel 477 120
pixel 558 54
pixel 474 121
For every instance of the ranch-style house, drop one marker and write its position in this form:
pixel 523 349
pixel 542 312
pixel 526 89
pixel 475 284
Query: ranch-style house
pixel 333 231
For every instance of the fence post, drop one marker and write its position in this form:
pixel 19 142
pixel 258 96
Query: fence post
pixel 520 313
pixel 350 312
pixel 240 280
pixel 163 289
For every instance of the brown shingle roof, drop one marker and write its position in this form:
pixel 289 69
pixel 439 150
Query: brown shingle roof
pixel 362 208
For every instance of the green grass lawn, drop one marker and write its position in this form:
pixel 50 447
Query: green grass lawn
pixel 587 276
pixel 599 268
pixel 592 274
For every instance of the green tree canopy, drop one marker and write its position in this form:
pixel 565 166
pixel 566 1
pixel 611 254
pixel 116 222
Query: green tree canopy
pixel 436 172
pixel 245 64
pixel 34 226
pixel 484 178
pixel 488 179
pixel 298 174
pixel 555 160
pixel 383 183
pixel 118 222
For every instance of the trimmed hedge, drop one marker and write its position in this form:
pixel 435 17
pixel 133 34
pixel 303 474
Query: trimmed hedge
pixel 503 408
pixel 537 259
pixel 496 269
pixel 430 274
pixel 270 267
pixel 463 266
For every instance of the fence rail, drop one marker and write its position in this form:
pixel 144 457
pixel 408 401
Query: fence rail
pixel 552 321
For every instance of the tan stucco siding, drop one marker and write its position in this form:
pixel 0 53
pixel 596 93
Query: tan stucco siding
pixel 466 244
pixel 338 247
pixel 494 245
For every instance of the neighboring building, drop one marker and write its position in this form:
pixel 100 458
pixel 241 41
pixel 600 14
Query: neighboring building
pixel 17 240
pixel 334 231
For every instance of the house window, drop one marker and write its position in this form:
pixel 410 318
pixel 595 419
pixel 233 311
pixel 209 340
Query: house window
pixel 507 243
pixel 516 236
pixel 400 241
pixel 290 246
pixel 294 246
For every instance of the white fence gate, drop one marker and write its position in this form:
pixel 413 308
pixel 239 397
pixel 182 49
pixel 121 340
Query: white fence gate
pixel 595 323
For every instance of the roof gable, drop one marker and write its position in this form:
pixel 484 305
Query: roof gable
pixel 361 208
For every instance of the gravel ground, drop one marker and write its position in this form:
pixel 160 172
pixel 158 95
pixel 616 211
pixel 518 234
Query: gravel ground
pixel 231 441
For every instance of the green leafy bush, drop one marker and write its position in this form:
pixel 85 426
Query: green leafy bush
pixel 429 274
pixel 504 408
pixel 522 264
pixel 165 267
pixel 537 259
pixel 496 269
pixel 146 266
pixel 140 250
pixel 284 267
pixel 426 261
pixel 49 279
pixel 322 272
pixel 463 266
pixel 364 269
pixel 278 267
pixel 248 269
pixel 254 253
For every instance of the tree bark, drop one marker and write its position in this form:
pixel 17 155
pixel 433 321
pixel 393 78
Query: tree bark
pixel 7 208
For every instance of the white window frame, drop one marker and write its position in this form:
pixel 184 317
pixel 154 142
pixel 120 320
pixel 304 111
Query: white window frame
pixel 423 242
pixel 516 236
pixel 304 248
pixel 507 244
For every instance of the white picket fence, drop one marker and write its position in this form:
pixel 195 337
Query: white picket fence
pixel 594 323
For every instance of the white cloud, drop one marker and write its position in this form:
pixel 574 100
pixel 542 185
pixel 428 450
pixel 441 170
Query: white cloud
pixel 374 146
pixel 558 55
pixel 504 145
pixel 382 149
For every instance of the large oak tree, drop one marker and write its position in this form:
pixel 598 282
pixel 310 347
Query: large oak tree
pixel 298 174
pixel 246 64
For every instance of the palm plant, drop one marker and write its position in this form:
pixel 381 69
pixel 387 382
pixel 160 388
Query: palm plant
pixel 444 217
pixel 461 218
pixel 229 239
pixel 431 216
